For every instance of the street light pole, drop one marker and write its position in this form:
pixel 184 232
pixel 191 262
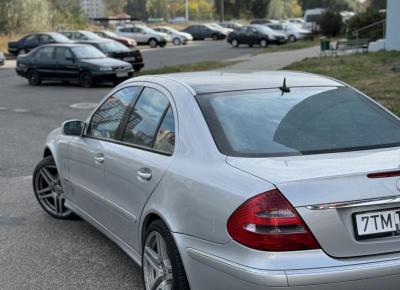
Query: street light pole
pixel 187 10
pixel 221 10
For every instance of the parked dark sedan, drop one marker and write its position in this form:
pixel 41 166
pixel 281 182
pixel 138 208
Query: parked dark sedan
pixel 117 50
pixel 71 62
pixel 128 42
pixel 255 35
pixel 203 31
pixel 31 41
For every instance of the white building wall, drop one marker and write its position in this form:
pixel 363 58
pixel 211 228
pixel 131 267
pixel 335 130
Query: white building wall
pixel 93 8
pixel 393 25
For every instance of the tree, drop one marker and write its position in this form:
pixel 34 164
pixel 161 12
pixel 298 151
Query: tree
pixel 331 23
pixel 259 8
pixel 279 9
pixel 336 5
pixel 115 7
pixel 377 5
pixel 137 9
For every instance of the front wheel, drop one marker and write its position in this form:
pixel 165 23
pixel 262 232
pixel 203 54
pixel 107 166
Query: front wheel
pixel 34 78
pixel 235 43
pixel 292 38
pixel 49 191
pixel 214 37
pixel 263 43
pixel 153 43
pixel 86 80
pixel 177 41
pixel 161 263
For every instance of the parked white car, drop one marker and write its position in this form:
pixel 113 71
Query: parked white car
pixel 292 31
pixel 178 37
pixel 2 59
pixel 296 21
pixel 220 28
pixel 311 18
pixel 144 35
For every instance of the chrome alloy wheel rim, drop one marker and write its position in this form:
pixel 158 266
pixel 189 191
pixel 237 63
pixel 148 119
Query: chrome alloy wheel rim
pixel 157 264
pixel 50 192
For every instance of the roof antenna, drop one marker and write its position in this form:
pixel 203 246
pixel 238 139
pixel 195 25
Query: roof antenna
pixel 284 88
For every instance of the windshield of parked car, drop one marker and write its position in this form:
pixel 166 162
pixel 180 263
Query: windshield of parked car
pixel 263 29
pixel 112 46
pixel 315 120
pixel 90 35
pixel 87 52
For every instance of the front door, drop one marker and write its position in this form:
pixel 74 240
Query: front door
pixel 66 67
pixel 44 62
pixel 87 158
pixel 135 166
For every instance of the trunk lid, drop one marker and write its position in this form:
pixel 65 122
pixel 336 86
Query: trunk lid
pixel 334 178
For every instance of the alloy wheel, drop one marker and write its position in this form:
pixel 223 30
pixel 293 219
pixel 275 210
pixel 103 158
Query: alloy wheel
pixel 157 266
pixel 292 38
pixel 263 43
pixel 235 43
pixel 153 43
pixel 49 191
pixel 34 78
pixel 86 80
pixel 177 41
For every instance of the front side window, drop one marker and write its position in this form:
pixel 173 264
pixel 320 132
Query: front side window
pixel 105 122
pixel 314 120
pixel 145 118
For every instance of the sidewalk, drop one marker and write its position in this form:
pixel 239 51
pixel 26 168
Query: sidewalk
pixel 274 60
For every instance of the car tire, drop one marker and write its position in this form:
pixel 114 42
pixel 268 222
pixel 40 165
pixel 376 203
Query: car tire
pixel 235 43
pixel 34 78
pixel 292 38
pixel 264 43
pixel 214 37
pixel 48 190
pixel 86 80
pixel 163 44
pixel 177 41
pixel 159 241
pixel 153 43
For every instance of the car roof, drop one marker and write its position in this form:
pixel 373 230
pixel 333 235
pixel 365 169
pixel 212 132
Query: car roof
pixel 92 41
pixel 214 81
pixel 73 44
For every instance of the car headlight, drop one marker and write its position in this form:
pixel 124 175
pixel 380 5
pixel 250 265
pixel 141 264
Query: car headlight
pixel 106 68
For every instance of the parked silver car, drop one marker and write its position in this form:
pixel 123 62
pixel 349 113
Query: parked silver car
pixel 2 59
pixel 277 180
pixel 178 37
pixel 144 35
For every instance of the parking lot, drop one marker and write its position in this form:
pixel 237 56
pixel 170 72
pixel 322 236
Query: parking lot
pixel 39 252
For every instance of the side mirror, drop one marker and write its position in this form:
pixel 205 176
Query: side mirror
pixel 73 128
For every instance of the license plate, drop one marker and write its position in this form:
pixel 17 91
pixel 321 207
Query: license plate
pixel 376 224
pixel 131 58
pixel 122 74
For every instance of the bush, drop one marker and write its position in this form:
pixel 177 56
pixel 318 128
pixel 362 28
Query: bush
pixel 363 19
pixel 330 23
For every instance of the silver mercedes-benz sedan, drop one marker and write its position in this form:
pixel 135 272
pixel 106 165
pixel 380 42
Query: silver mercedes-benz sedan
pixel 236 181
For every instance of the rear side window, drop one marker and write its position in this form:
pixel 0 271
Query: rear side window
pixel 106 121
pixel 146 117
pixel 264 123
pixel 45 53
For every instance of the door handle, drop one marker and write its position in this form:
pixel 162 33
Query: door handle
pixel 99 159
pixel 144 174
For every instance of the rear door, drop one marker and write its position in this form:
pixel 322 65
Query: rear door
pixel 31 42
pixel 44 62
pixel 135 166
pixel 87 157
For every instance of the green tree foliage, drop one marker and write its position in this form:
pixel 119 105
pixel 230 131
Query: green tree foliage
pixel 115 7
pixel 137 9
pixel 376 5
pixel 361 20
pixel 331 23
pixel 336 5
pixel 281 9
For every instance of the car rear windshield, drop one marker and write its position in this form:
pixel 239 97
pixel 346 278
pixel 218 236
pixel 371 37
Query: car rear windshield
pixel 314 120
pixel 113 46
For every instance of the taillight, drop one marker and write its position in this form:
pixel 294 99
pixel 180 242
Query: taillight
pixel 269 222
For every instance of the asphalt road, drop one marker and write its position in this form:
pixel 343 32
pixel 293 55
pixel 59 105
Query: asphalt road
pixel 39 252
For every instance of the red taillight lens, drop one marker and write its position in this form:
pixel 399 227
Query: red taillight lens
pixel 269 222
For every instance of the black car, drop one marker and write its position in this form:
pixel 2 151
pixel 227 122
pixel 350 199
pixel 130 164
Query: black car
pixel 71 62
pixel 31 41
pixel 203 31
pixel 251 35
pixel 117 50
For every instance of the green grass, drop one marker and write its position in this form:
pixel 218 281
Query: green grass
pixel 371 73
pixel 293 45
pixel 200 66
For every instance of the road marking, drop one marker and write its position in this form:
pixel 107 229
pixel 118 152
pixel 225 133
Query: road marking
pixel 21 111
pixel 83 106
pixel 3 108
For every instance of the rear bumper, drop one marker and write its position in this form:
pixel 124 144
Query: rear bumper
pixel 209 271
pixel 110 77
